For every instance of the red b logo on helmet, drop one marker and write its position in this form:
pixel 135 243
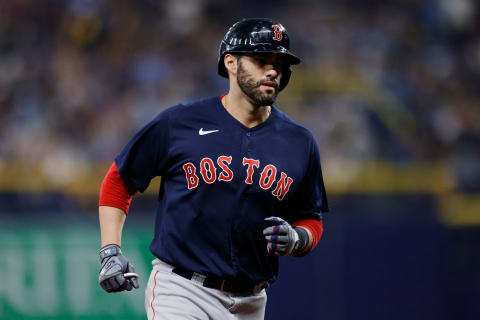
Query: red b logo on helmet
pixel 277 32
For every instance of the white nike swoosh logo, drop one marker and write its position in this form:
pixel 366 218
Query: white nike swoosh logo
pixel 202 133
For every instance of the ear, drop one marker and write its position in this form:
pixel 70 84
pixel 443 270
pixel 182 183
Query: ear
pixel 230 62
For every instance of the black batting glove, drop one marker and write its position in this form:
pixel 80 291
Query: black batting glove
pixel 117 273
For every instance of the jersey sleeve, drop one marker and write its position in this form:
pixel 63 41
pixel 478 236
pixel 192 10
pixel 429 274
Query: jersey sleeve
pixel 311 198
pixel 114 192
pixel 146 154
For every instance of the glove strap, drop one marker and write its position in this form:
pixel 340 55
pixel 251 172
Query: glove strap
pixel 109 250
pixel 303 240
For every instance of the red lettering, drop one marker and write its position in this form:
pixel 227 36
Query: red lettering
pixel 269 173
pixel 283 185
pixel 223 162
pixel 192 178
pixel 251 163
pixel 208 171
pixel 277 32
pixel 210 175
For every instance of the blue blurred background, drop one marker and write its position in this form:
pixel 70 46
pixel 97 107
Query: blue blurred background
pixel 390 89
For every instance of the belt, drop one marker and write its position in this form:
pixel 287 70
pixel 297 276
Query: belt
pixel 232 286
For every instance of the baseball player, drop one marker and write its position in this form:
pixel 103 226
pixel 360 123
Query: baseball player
pixel 241 185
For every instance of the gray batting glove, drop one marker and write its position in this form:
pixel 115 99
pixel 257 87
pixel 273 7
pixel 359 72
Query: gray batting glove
pixel 117 273
pixel 282 238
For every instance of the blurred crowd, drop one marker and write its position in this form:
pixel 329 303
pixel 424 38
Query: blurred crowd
pixel 395 81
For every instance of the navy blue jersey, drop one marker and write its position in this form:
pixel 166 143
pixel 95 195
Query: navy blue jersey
pixel 220 180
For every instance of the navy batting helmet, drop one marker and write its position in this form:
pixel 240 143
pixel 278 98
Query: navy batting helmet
pixel 258 36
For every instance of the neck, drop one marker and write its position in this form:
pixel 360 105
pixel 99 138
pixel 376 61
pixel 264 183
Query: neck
pixel 244 111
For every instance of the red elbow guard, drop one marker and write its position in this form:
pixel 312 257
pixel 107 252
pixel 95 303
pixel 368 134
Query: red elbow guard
pixel 114 191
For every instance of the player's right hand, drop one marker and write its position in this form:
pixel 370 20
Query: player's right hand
pixel 115 267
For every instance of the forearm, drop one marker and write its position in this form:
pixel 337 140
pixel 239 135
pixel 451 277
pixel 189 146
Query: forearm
pixel 114 202
pixel 111 225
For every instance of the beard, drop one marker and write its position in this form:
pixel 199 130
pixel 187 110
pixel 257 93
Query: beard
pixel 251 88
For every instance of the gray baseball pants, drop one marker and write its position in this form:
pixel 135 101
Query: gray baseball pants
pixel 169 296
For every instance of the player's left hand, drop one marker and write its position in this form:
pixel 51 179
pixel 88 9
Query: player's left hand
pixel 282 239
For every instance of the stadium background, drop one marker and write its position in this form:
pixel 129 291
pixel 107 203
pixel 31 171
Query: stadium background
pixel 389 88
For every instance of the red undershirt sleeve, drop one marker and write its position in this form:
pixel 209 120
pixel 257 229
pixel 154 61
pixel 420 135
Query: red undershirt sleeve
pixel 114 191
pixel 315 227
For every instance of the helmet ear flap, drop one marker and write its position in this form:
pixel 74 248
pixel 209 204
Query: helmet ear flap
pixel 221 64
pixel 286 73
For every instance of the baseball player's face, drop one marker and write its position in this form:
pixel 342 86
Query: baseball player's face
pixel 258 76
